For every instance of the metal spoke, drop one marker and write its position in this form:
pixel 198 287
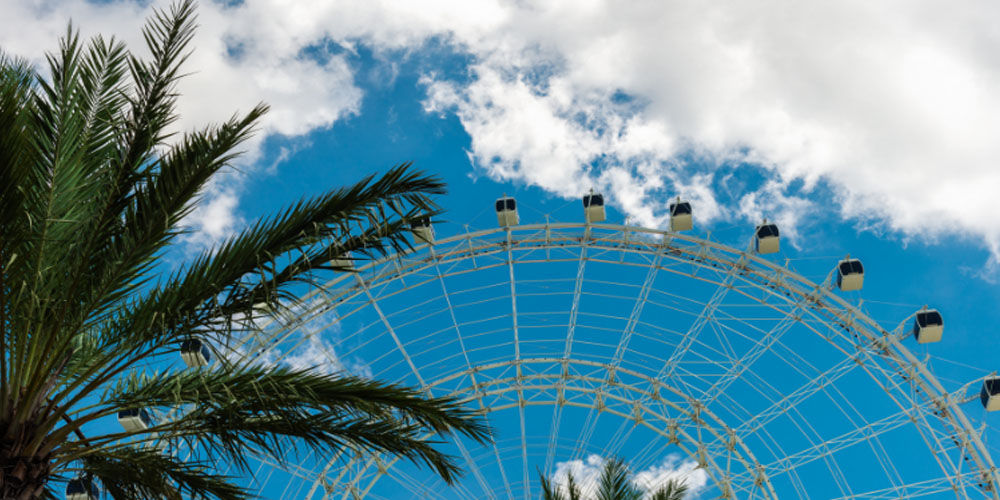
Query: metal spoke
pixel 759 349
pixel 570 330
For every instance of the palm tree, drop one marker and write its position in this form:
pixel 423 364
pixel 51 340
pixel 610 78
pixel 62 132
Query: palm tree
pixel 93 191
pixel 615 483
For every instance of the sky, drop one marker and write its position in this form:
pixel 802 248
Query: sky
pixel 858 127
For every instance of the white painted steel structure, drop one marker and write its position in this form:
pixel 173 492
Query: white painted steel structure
pixel 594 338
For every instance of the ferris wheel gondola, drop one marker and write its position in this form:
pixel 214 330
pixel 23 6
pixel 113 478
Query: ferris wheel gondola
pixel 766 238
pixel 680 216
pixel 928 326
pixel 344 261
pixel 850 274
pixel 195 353
pixel 81 488
pixel 135 419
pixel 422 229
pixel 593 207
pixel 506 209
pixel 990 394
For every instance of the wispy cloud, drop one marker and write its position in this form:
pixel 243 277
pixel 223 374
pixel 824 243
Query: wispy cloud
pixel 311 345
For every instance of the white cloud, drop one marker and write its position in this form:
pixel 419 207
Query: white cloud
pixel 586 473
pixel 315 354
pixel 214 219
pixel 891 104
pixel 673 468
pixel 312 345
pixel 240 57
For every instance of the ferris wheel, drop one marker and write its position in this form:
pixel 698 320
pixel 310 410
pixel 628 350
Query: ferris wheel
pixel 587 340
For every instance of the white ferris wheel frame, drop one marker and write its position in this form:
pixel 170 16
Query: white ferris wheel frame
pixel 879 351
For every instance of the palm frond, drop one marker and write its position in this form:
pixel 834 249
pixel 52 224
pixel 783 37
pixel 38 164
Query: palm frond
pixel 130 473
pixel 59 176
pixel 615 482
pixel 232 407
pixel 550 491
pixel 156 207
pixel 229 280
pixel 203 298
pixel 16 82
pixel 148 224
pixel 91 195
pixel 167 36
pixel 573 488
pixel 674 489
pixel 68 279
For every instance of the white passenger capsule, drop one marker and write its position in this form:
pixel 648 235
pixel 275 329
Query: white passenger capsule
pixel 422 229
pixel 593 207
pixel 345 261
pixel 990 395
pixel 766 238
pixel 195 353
pixel 680 216
pixel 81 488
pixel 928 326
pixel 850 274
pixel 135 419
pixel 506 211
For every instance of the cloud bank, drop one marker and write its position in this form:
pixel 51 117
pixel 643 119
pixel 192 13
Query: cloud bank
pixel 746 109
pixel 890 105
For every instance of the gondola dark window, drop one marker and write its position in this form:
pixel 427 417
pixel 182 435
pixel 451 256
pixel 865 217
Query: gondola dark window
pixel 767 230
pixel 81 488
pixel 596 200
pixel 990 394
pixel 928 326
pixel 682 208
pixel 420 222
pixel 929 318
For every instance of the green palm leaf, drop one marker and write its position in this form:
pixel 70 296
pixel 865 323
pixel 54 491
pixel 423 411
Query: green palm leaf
pixel 550 491
pixel 675 489
pixel 616 482
pixel 234 407
pixel 138 473
pixel 93 190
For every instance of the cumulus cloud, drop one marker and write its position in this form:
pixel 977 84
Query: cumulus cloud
pixel 587 474
pixel 240 57
pixel 890 105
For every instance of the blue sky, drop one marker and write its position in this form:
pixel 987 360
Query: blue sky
pixel 862 129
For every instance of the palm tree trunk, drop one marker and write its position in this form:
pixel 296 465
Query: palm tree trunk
pixel 24 470
pixel 22 477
